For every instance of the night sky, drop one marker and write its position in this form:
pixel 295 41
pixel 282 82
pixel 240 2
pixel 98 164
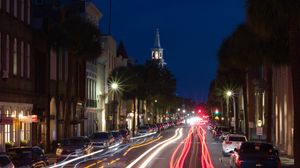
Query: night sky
pixel 191 32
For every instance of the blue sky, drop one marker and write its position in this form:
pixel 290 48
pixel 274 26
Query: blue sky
pixel 191 33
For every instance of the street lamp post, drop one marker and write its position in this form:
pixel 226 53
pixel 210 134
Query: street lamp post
pixel 228 95
pixel 114 87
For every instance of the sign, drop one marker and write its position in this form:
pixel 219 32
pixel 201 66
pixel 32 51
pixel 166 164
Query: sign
pixel 6 121
pixel 259 131
pixel 34 118
pixel 29 119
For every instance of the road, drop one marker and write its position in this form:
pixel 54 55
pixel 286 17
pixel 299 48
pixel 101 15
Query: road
pixel 177 147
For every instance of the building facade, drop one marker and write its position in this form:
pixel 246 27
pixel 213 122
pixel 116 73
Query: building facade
pixel 16 74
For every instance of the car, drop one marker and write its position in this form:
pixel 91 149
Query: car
pixel 160 126
pixel 142 130
pixel 102 140
pixel 73 147
pixel 231 142
pixel 153 127
pixel 117 136
pixel 28 157
pixel 255 154
pixel 126 135
pixel 5 161
pixel 166 126
pixel 219 130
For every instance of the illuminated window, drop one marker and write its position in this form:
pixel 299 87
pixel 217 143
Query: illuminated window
pixel 15 58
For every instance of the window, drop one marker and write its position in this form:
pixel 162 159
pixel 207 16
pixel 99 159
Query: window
pixel 66 65
pixel 28 11
pixel 0 4
pixel 15 58
pixel 0 49
pixel 28 60
pixel 7 54
pixel 8 6
pixel 22 59
pixel 53 64
pixel 15 8
pixel 22 10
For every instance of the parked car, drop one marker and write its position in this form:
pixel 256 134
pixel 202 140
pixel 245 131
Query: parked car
pixel 5 161
pixel 231 142
pixel 166 126
pixel 219 130
pixel 102 140
pixel 73 147
pixel 142 130
pixel 160 126
pixel 153 127
pixel 117 136
pixel 126 135
pixel 252 154
pixel 28 157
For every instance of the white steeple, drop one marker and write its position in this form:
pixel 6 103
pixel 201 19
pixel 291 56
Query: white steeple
pixel 157 51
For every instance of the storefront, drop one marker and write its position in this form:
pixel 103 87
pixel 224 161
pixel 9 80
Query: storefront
pixel 15 124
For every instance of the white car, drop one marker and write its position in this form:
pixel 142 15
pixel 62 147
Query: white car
pixel 231 142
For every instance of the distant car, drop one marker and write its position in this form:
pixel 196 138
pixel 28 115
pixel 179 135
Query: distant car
pixel 28 157
pixel 153 127
pixel 253 154
pixel 73 147
pixel 102 140
pixel 160 126
pixel 231 142
pixel 5 161
pixel 126 135
pixel 219 130
pixel 142 130
pixel 117 136
pixel 166 126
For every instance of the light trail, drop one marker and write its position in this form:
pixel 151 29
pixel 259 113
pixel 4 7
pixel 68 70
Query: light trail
pixel 185 150
pixel 149 150
pixel 205 156
pixel 147 161
pixel 174 154
pixel 140 145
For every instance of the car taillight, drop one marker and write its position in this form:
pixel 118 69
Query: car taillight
pixel 228 142
pixel 238 163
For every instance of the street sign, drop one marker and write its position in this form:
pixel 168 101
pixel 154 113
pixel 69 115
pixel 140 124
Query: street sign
pixel 259 131
pixel 6 121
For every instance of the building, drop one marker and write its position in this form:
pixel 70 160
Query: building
pixel 157 52
pixel 16 74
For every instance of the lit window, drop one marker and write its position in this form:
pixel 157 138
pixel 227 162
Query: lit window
pixel 15 58
pixel 28 11
pixel 15 8
pixel 7 54
pixel 7 6
pixel 28 60
pixel 22 59
pixel 22 10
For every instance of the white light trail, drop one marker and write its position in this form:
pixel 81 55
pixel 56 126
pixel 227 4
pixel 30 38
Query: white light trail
pixel 149 150
pixel 147 161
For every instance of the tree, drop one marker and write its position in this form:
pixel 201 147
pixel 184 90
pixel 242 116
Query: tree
pixel 272 19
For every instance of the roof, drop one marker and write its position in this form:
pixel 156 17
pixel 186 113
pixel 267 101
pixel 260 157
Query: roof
pixel 157 39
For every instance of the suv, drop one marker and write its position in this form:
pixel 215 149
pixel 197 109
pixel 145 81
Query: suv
pixel 231 142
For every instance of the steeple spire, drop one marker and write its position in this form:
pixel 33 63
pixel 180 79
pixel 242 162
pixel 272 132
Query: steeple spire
pixel 157 39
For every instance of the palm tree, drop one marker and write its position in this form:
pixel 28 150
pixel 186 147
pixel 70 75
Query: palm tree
pixel 274 19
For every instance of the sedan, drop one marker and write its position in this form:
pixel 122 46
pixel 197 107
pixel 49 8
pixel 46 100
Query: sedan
pixel 231 142
pixel 142 130
pixel 5 162
pixel 102 140
pixel 28 157
pixel 253 154
pixel 73 147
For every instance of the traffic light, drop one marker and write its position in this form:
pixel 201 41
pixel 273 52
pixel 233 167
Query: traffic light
pixel 216 113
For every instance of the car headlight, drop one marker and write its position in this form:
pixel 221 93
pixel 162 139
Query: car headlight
pixel 58 151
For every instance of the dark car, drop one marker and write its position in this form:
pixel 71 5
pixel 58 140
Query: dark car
pixel 117 136
pixel 5 161
pixel 102 140
pixel 251 154
pixel 28 156
pixel 73 147
pixel 126 135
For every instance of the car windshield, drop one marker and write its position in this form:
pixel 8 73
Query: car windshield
pixel 72 142
pixel 115 134
pixel 252 148
pixel 4 161
pixel 100 135
pixel 233 138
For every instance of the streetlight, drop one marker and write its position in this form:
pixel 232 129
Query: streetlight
pixel 183 111
pixel 178 109
pixel 229 94
pixel 114 86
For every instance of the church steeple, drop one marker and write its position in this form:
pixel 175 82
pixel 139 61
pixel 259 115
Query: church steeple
pixel 157 39
pixel 157 51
